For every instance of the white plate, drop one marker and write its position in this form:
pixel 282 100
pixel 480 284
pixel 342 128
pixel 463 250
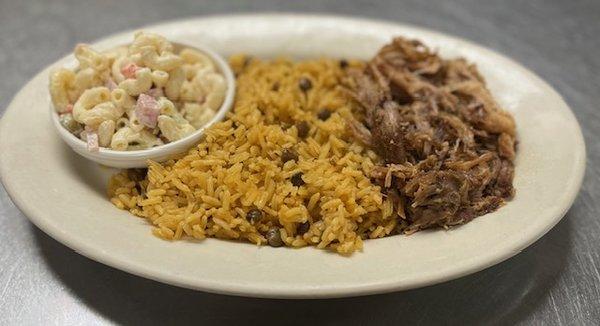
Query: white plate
pixel 64 194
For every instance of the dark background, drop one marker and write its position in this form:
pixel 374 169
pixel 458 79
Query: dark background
pixel 555 281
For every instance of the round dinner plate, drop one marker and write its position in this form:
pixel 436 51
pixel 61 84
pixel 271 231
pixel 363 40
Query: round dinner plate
pixel 65 195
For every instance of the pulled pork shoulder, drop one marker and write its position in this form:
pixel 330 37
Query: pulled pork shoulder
pixel 446 145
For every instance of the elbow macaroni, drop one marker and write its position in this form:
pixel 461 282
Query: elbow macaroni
pixel 62 83
pixel 102 92
pixel 197 59
pixel 129 139
pixel 85 79
pixel 117 66
pixel 173 85
pixel 160 78
pixel 106 130
pixel 165 62
pixel 94 107
pixel 167 107
pixel 198 115
pixel 156 42
pixel 138 85
pixel 122 100
pixel 88 58
pixel 174 130
pixel 120 140
pixel 213 85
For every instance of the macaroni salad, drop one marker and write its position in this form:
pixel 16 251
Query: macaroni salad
pixel 137 97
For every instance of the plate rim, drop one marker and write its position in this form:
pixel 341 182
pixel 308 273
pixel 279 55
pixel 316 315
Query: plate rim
pixel 234 288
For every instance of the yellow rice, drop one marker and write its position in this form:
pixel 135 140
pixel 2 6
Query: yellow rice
pixel 237 167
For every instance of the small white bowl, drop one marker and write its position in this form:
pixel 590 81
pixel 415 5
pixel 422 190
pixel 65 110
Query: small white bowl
pixel 139 158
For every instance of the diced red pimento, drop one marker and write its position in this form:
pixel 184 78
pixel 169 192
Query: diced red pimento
pixel 147 110
pixel 92 141
pixel 129 70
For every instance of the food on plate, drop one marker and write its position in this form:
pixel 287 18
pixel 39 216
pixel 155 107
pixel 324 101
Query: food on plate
pixel 332 152
pixel 137 97
pixel 278 171
pixel 447 148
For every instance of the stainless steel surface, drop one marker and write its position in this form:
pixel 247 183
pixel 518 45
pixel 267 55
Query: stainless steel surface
pixel 556 281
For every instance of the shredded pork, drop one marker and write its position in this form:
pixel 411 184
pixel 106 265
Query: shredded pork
pixel 447 147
